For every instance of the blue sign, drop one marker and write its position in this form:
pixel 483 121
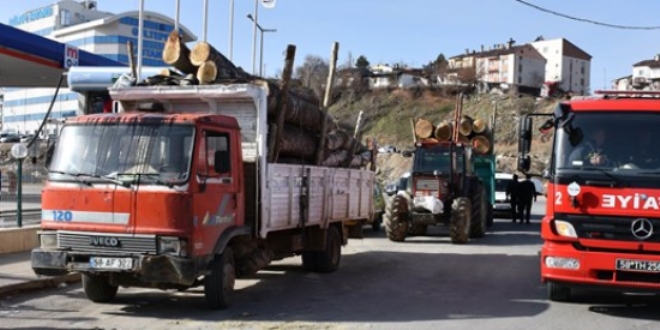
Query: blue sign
pixel 30 16
pixel 151 49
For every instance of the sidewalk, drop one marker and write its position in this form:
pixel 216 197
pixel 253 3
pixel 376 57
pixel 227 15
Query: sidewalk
pixel 16 276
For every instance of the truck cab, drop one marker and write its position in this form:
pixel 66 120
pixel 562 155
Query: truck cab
pixel 601 228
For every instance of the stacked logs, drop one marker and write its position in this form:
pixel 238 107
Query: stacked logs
pixel 303 118
pixel 475 132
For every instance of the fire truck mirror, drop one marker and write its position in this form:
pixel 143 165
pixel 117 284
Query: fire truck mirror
pixel 525 135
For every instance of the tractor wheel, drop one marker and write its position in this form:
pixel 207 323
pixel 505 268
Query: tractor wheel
pixel 396 219
pixel 417 229
pixel 558 292
pixel 478 228
pixel 459 222
pixel 489 217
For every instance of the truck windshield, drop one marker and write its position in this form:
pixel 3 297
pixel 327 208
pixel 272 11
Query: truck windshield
pixel 428 160
pixel 154 153
pixel 609 141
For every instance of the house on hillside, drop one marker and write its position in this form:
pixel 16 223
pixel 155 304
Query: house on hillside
pixel 506 67
pixel 353 77
pixel 646 74
pixel 385 76
pixel 623 83
pixel 566 64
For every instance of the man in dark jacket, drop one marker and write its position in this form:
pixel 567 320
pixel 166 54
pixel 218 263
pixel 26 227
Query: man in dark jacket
pixel 526 194
pixel 512 194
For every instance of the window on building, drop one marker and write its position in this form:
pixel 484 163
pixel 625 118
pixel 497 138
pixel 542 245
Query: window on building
pixel 519 80
pixel 582 82
pixel 520 67
pixel 545 49
pixel 65 17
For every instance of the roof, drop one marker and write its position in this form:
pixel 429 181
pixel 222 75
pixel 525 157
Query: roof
pixel 492 52
pixel 188 35
pixel 30 60
pixel 623 78
pixel 150 117
pixel 650 63
pixel 570 49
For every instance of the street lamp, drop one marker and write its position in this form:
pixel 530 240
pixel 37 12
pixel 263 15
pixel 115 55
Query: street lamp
pixel 19 151
pixel 261 49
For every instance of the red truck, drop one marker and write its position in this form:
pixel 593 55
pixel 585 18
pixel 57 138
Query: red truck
pixel 601 229
pixel 175 191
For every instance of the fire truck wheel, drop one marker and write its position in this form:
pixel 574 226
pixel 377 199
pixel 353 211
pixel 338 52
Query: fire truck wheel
pixel 309 260
pixel 219 285
pixel 478 228
pixel 396 222
pixel 328 260
pixel 558 292
pixel 98 288
pixel 416 229
pixel 459 223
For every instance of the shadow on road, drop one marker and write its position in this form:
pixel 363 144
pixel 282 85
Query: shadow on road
pixel 370 287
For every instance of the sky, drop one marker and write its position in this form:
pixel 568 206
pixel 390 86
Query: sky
pixel 412 31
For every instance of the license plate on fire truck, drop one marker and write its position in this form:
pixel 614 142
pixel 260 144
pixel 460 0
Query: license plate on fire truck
pixel 110 263
pixel 638 265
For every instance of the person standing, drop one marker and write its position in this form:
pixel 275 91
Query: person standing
pixel 526 194
pixel 512 195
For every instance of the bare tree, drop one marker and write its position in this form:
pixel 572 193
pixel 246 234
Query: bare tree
pixel 313 74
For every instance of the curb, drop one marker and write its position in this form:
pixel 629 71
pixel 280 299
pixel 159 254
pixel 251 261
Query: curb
pixel 38 284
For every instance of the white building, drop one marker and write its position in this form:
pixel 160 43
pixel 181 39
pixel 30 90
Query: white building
pixel 646 74
pixel 82 25
pixel 567 64
pixel 384 76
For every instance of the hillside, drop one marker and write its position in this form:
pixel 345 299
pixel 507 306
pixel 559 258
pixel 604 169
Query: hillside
pixel 387 117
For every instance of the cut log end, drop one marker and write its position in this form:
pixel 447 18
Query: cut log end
pixel 200 53
pixel 423 129
pixel 172 49
pixel 207 72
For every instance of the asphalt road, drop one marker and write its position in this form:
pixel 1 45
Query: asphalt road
pixel 424 283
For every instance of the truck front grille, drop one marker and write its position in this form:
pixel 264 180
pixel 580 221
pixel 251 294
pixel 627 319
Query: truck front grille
pixel 608 227
pixel 83 242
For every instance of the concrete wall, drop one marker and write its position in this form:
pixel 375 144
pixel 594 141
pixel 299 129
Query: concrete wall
pixel 18 239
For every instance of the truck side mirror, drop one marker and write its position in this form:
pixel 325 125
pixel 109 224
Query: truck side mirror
pixel 524 163
pixel 525 135
pixel 222 161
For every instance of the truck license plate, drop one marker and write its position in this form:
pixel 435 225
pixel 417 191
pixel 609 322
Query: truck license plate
pixel 110 263
pixel 638 265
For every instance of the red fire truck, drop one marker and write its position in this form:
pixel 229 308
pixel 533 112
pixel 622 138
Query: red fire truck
pixel 602 224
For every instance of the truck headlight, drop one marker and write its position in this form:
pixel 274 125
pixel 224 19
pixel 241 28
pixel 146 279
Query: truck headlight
pixel 48 240
pixel 172 245
pixel 565 229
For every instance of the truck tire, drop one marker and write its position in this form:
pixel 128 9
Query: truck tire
pixel 309 260
pixel 378 220
pixel 478 226
pixel 251 263
pixel 328 261
pixel 417 229
pixel 219 285
pixel 98 288
pixel 459 222
pixel 489 217
pixel 396 219
pixel 558 292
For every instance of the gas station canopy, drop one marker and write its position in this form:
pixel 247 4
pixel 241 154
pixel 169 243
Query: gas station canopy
pixel 29 60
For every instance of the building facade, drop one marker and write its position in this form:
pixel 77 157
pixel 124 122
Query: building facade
pixel 80 24
pixel 566 64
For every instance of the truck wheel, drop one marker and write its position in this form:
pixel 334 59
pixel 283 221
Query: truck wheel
pixel 328 260
pixel 396 219
pixel 417 229
pixel 219 285
pixel 478 228
pixel 309 260
pixel 378 220
pixel 489 217
pixel 459 222
pixel 98 288
pixel 558 292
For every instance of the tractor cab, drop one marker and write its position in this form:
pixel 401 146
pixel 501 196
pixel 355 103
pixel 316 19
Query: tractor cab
pixel 438 169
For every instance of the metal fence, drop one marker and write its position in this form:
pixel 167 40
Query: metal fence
pixel 31 182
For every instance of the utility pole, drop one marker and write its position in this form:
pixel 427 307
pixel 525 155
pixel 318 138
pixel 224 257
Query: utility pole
pixel 254 37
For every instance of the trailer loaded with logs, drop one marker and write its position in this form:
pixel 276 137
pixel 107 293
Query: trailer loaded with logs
pixel 451 181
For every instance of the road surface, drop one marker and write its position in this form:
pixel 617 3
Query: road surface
pixel 424 283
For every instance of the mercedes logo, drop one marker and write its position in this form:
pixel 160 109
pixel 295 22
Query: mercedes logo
pixel 642 228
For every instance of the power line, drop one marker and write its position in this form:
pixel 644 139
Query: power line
pixel 616 26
